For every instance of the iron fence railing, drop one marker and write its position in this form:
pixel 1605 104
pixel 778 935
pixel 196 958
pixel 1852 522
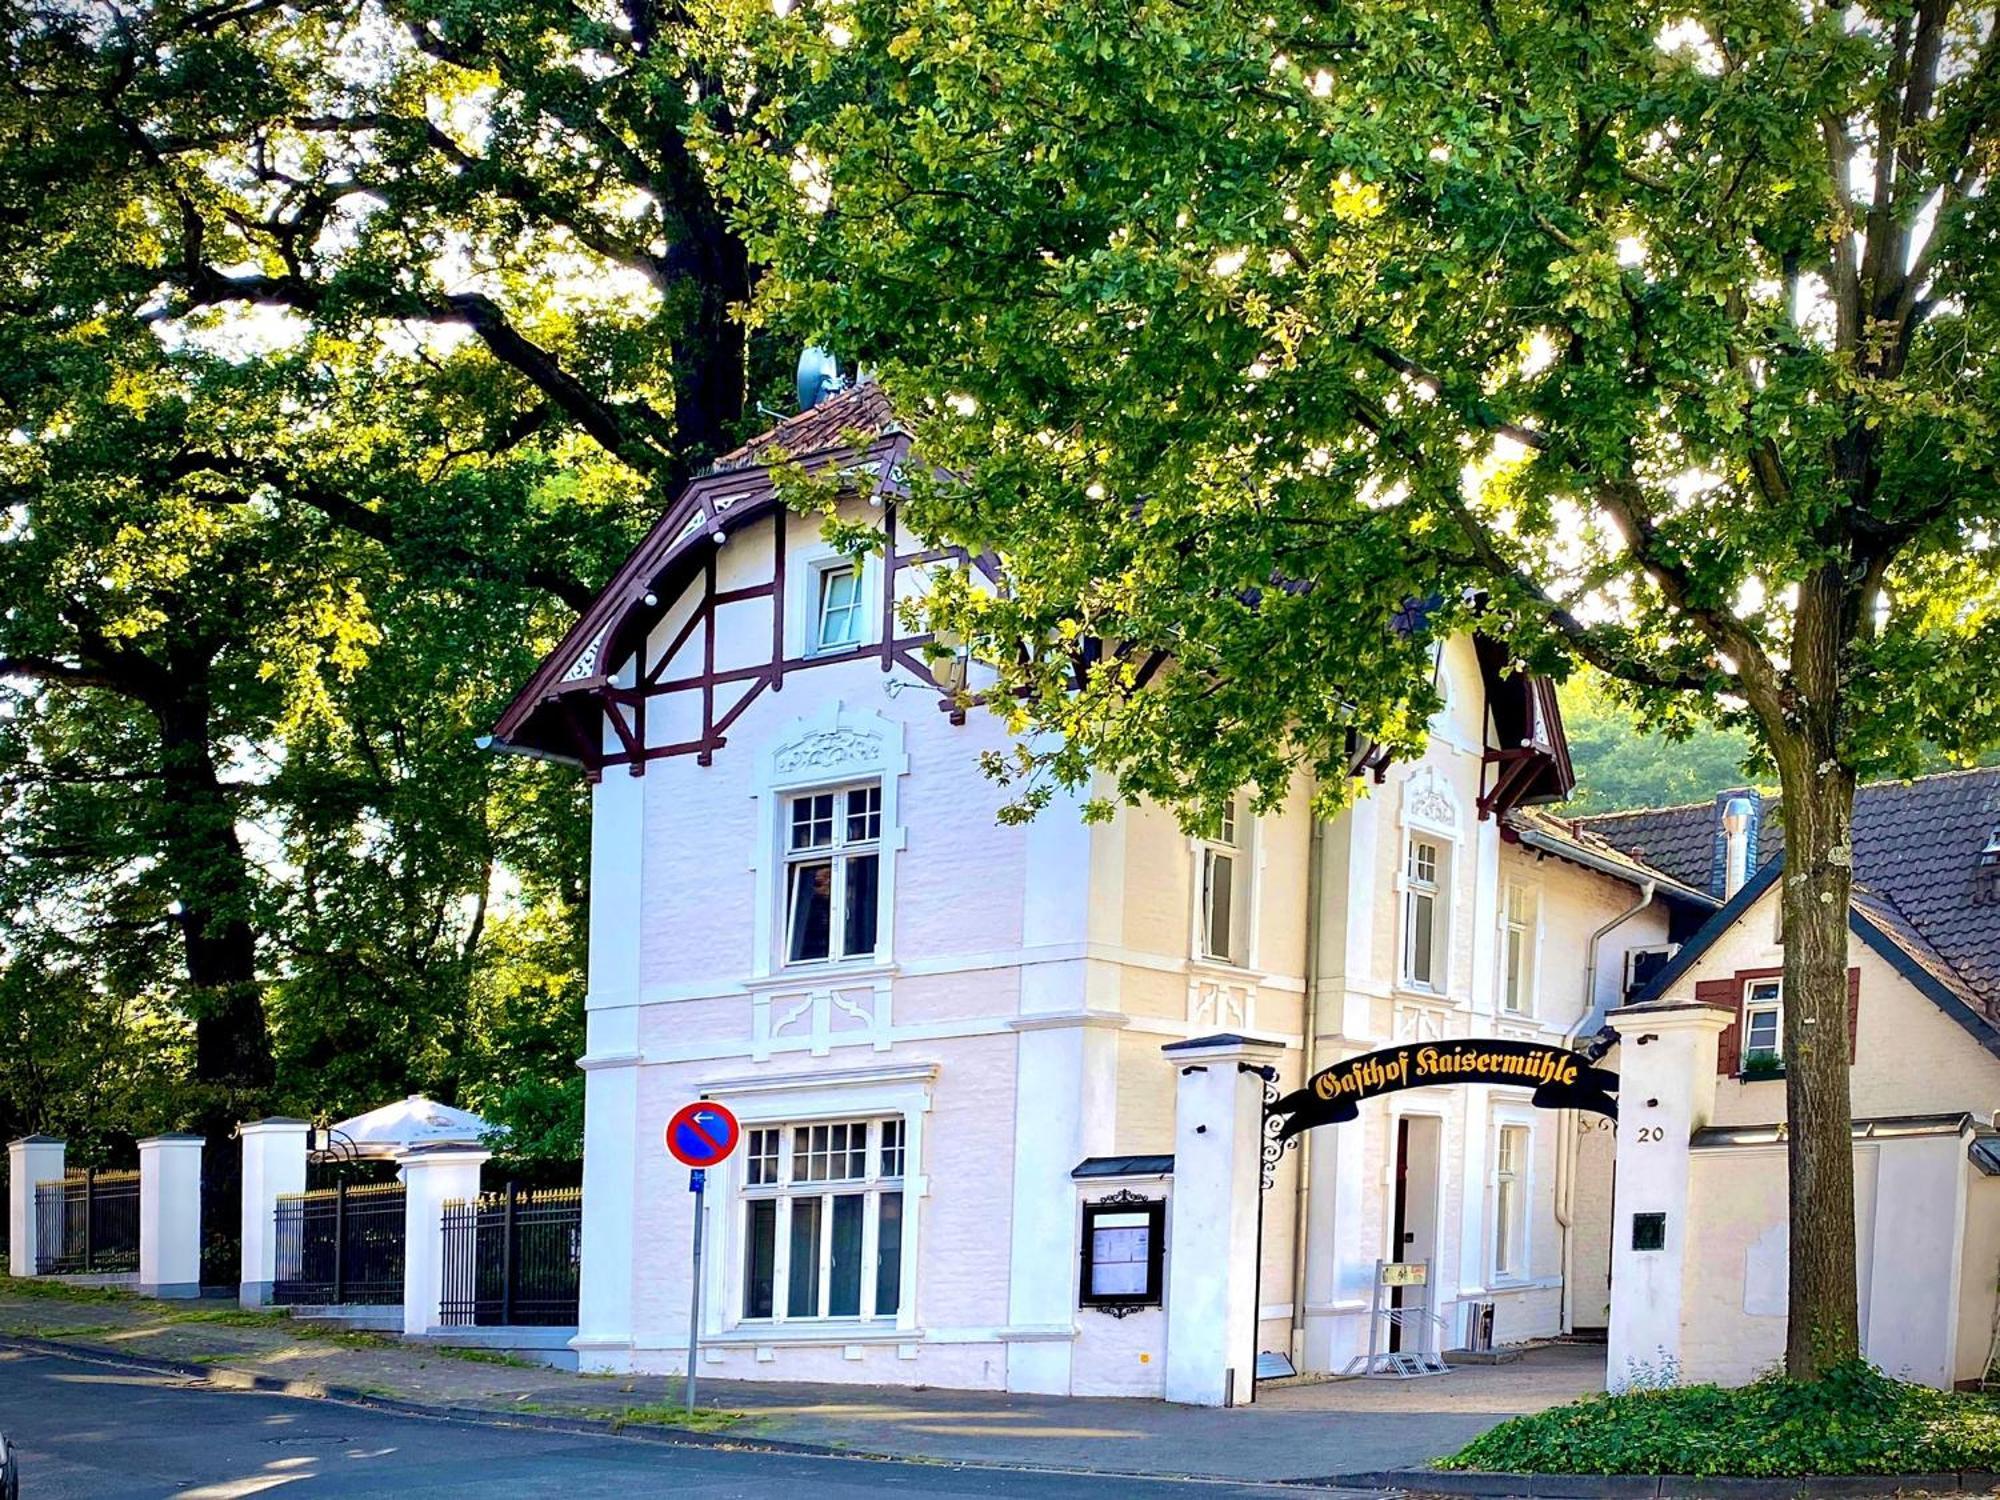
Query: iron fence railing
pixel 87 1224
pixel 340 1245
pixel 513 1258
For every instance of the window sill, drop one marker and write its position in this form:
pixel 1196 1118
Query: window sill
pixel 809 976
pixel 821 653
pixel 1777 1077
pixel 1404 990
pixel 873 1331
pixel 1222 968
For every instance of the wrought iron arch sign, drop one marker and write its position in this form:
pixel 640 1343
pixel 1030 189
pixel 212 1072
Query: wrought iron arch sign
pixel 1561 1079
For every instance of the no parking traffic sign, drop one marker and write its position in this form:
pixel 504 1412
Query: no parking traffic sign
pixel 699 1136
pixel 702 1134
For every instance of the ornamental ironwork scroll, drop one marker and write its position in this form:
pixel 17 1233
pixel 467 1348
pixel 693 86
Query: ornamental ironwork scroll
pixel 1560 1078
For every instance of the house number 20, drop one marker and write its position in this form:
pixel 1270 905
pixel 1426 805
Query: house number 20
pixel 1652 1133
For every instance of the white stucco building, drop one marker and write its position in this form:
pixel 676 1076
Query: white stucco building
pixel 944 1037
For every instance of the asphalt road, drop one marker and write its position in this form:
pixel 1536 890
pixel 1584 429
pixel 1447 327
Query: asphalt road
pixel 91 1431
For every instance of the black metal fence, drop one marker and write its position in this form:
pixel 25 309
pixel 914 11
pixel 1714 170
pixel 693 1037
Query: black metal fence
pixel 340 1245
pixel 513 1258
pixel 87 1224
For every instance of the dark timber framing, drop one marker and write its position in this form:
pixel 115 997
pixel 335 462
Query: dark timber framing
pixel 578 689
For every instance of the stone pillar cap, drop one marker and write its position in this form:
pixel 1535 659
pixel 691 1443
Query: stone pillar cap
pixel 39 1140
pixel 1221 1045
pixel 175 1138
pixel 441 1151
pixel 273 1120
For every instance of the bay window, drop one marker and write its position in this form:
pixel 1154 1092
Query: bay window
pixel 833 860
pixel 823 1220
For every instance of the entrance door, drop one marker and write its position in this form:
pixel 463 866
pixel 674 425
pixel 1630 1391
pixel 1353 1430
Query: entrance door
pixel 1413 1227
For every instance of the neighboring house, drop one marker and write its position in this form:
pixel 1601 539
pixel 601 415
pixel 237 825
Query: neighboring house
pixel 943 1034
pixel 1924 987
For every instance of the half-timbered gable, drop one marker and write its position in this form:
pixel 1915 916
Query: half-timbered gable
pixel 730 594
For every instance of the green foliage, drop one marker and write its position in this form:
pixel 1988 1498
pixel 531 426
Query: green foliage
pixel 1854 1420
pixel 1209 309
pixel 1622 763
pixel 342 348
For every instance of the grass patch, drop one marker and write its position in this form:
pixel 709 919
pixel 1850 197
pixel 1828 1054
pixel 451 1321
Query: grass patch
pixel 1855 1420
pixel 661 1414
pixel 34 1288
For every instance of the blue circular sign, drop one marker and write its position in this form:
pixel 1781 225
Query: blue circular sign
pixel 702 1134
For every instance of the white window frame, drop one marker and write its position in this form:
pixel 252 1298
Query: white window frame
pixel 836 747
pixel 881 1091
pixel 1511 1264
pixel 1772 1005
pixel 1430 814
pixel 1438 889
pixel 872 1186
pixel 835 854
pixel 819 573
pixel 1522 933
pixel 1235 840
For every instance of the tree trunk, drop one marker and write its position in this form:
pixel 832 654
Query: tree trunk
pixel 211 876
pixel 1818 791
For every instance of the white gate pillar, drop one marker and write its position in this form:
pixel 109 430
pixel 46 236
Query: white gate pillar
pixel 170 1216
pixel 31 1159
pixel 1212 1270
pixel 274 1163
pixel 1666 1092
pixel 432 1176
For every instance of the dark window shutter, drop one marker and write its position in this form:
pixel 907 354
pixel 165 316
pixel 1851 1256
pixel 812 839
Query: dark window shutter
pixel 1725 994
pixel 1853 1015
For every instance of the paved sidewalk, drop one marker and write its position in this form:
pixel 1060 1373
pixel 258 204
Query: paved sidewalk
pixel 1295 1430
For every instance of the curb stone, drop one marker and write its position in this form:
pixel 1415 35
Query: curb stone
pixel 660 1434
pixel 1495 1486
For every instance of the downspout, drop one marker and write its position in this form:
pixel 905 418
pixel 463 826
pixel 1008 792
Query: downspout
pixel 1302 1190
pixel 1566 1146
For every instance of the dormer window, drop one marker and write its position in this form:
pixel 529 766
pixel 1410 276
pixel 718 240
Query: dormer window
pixel 837 618
pixel 1986 874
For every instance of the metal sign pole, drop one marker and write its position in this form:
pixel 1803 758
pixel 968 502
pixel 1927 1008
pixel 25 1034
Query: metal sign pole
pixel 697 1180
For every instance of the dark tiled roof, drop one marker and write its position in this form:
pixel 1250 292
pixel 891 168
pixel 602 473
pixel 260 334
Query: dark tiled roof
pixel 1568 839
pixel 1916 846
pixel 862 407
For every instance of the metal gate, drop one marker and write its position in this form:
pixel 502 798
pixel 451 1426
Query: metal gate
pixel 340 1245
pixel 87 1223
pixel 513 1258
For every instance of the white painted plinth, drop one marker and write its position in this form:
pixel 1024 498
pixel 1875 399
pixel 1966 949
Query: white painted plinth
pixel 32 1159
pixel 274 1163
pixel 432 1176
pixel 1212 1236
pixel 170 1216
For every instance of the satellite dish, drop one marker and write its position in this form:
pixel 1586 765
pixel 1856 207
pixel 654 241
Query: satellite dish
pixel 819 376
